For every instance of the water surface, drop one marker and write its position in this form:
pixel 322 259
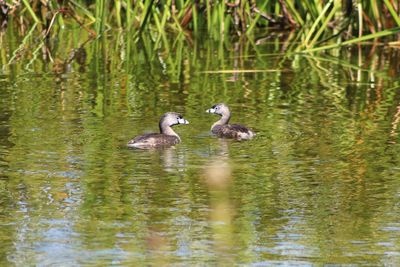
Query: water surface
pixel 320 184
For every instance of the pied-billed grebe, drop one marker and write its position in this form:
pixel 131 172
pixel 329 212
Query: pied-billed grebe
pixel 166 137
pixel 222 129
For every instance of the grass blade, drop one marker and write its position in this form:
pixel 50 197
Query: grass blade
pixel 355 40
pixel 392 12
pixel 30 10
pixel 317 21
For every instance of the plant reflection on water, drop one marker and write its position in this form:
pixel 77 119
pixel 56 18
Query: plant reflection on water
pixel 319 183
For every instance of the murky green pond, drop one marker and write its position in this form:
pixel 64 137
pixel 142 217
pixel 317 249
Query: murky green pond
pixel 320 183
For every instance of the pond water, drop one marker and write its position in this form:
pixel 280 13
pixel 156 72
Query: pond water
pixel 320 183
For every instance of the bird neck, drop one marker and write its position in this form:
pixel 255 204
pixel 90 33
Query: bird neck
pixel 166 129
pixel 224 120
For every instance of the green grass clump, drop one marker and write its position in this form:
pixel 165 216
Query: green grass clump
pixel 316 21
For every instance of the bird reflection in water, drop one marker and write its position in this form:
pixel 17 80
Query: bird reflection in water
pixel 173 159
pixel 217 175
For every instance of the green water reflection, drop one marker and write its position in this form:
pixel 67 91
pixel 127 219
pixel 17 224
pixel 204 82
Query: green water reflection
pixel 320 184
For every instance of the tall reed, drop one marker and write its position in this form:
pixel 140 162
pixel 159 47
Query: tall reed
pixel 316 21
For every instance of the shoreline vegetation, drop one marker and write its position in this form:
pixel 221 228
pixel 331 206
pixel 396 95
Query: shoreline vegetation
pixel 319 25
pixel 61 32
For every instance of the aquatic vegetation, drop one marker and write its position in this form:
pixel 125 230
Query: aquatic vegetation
pixel 316 22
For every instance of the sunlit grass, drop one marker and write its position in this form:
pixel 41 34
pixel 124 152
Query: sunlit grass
pixel 319 25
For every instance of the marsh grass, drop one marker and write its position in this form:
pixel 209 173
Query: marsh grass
pixel 319 25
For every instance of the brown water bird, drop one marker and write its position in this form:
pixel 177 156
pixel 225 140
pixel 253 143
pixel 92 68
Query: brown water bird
pixel 166 137
pixel 222 129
